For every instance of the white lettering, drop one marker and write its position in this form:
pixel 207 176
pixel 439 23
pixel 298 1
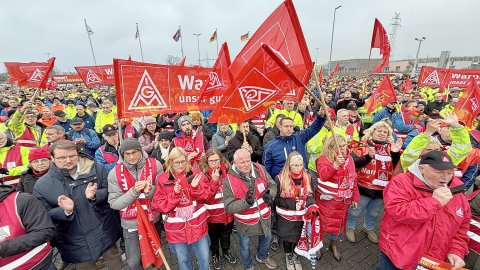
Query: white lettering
pixel 109 71
pixel 189 82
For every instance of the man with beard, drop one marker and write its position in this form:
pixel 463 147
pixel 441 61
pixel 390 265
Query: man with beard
pixel 192 141
pixel 252 143
pixel 435 106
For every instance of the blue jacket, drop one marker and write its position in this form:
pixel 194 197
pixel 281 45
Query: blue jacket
pixel 382 114
pixel 65 125
pixel 101 159
pixel 399 124
pixel 277 150
pixel 93 142
pixel 88 120
pixel 93 227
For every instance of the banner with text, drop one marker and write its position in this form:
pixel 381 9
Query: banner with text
pixel 443 77
pixel 96 75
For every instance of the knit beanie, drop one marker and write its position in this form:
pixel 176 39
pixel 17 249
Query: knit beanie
pixel 129 144
pixel 38 153
pixel 183 119
pixel 165 135
pixel 148 120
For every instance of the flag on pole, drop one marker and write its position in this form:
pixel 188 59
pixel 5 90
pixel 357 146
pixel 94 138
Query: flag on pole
pixel 407 85
pixel 257 87
pixel 33 74
pixel 335 70
pixel 137 34
pixel 89 30
pixel 52 84
pixel 282 31
pixel 468 105
pixel 214 36
pixel 380 41
pixel 177 35
pixel 245 37
pixel 383 95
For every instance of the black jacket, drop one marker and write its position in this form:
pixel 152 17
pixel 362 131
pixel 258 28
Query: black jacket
pixel 38 226
pixel 93 227
pixel 27 181
pixel 236 143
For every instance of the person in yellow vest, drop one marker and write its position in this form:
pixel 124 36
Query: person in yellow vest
pixel 315 146
pixel 13 161
pixel 288 112
pixel 23 125
pixel 449 107
pixel 105 116
pixel 70 110
pixel 343 126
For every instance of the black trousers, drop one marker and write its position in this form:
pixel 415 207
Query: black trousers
pixel 288 247
pixel 219 233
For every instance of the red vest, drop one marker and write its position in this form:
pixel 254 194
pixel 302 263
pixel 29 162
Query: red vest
pixel 259 208
pixel 474 233
pixel 28 139
pixel 12 159
pixel 129 132
pixel 259 120
pixel 377 173
pixel 130 212
pixel 216 208
pixel 108 157
pixel 11 227
pixel 191 144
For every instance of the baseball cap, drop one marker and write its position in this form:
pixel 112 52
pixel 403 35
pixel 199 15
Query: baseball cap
pixel 59 113
pixel 438 160
pixel 76 120
pixel 109 129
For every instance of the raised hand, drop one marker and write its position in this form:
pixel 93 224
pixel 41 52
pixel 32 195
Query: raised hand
pixel 451 119
pixel 397 146
pixel 196 180
pixel 91 191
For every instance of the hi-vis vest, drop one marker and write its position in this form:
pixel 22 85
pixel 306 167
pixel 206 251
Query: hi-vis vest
pixel 259 208
pixel 12 159
pixel 11 227
pixel 216 209
pixel 28 139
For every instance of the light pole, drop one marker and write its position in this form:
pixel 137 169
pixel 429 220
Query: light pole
pixel 198 45
pixel 331 42
pixel 316 57
pixel 420 40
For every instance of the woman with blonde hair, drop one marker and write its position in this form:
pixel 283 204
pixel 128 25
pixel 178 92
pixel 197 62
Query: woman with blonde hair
pixel 198 123
pixel 180 196
pixel 336 188
pixel 294 196
pixel 214 169
pixel 378 155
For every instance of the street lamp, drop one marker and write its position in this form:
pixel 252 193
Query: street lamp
pixel 420 40
pixel 198 45
pixel 331 43
pixel 316 57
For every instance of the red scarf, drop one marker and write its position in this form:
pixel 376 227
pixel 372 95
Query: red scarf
pixel 37 173
pixel 306 246
pixel 299 192
pixel 185 207
pixel 383 169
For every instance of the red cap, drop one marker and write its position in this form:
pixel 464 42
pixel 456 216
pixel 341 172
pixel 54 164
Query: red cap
pixel 38 153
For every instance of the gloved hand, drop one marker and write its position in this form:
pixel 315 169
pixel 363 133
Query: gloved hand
pixel 3 171
pixel 249 196
pixel 266 198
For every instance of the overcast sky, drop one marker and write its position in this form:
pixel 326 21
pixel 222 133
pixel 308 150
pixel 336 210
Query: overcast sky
pixel 32 29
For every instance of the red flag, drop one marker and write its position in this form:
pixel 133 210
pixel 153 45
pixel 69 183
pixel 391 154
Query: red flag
pixel 407 85
pixel 383 95
pixel 283 33
pixel 52 84
pixel 335 70
pixel 33 74
pixel 468 105
pixel 256 88
pixel 380 41
pixel 182 63
pixel 434 77
pixel 96 75
pixel 146 89
pixel 150 248
pixel 219 79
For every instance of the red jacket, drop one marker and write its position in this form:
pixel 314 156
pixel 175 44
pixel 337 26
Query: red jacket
pixel 166 201
pixel 214 204
pixel 414 223
pixel 335 191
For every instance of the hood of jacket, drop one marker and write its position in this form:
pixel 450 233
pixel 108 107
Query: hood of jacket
pixel 5 190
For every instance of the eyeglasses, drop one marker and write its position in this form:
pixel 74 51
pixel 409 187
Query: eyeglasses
pixel 214 161
pixel 38 161
pixel 63 159
pixel 180 162
pixel 296 165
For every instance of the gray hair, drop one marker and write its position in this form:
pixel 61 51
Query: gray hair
pixel 57 128
pixel 239 152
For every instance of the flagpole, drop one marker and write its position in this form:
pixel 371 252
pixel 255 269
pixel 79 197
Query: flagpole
pixel 140 42
pixel 181 40
pixel 90 40
pixel 368 64
pixel 216 39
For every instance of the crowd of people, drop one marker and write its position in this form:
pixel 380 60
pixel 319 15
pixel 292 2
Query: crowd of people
pixel 73 176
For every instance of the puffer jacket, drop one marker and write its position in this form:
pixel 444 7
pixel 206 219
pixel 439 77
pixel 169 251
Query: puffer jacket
pixel 218 140
pixel 416 224
pixel 93 227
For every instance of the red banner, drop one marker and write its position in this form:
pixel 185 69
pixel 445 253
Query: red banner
pixel 33 74
pixel 383 95
pixel 146 89
pixel 380 41
pixel 335 70
pixel 281 31
pixel 257 87
pixel 52 84
pixel 67 79
pixel 219 79
pixel 443 77
pixel 96 75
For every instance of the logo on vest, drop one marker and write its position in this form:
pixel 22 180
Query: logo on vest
pixel 253 96
pixel 37 75
pixel 147 95
pixel 185 199
pixel 383 175
pixel 188 147
pixel 4 233
pixel 459 211
pixel 92 77
pixel 445 159
pixel 214 81
pixel 432 78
